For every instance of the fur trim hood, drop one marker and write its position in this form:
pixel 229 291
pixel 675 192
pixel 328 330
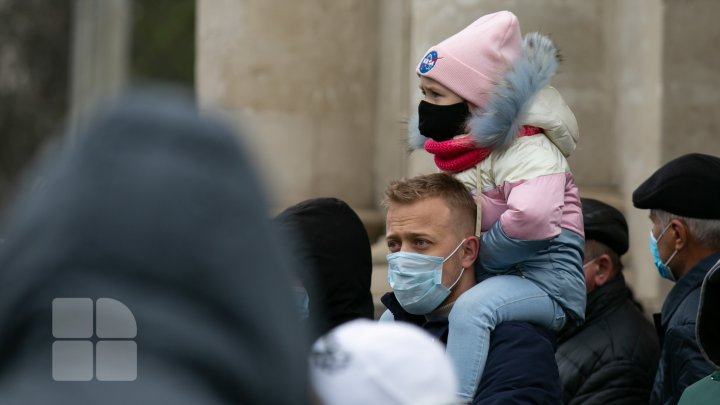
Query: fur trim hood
pixel 523 97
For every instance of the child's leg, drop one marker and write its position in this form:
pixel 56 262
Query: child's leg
pixel 477 311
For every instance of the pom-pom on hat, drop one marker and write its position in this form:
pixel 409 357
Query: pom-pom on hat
pixel 686 186
pixel 472 62
pixel 605 224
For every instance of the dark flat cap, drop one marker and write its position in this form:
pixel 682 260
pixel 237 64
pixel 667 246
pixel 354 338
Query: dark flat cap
pixel 605 224
pixel 688 186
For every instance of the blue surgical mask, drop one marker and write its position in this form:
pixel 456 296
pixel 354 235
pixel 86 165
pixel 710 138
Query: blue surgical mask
pixel 302 302
pixel 662 267
pixel 416 280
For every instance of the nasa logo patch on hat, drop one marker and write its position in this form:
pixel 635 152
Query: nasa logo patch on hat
pixel 428 62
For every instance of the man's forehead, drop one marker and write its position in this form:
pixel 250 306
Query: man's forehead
pixel 428 215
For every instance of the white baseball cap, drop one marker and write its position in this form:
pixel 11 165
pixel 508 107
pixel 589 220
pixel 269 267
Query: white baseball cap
pixel 366 362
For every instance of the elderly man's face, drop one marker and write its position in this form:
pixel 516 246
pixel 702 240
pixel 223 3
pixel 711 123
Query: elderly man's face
pixel 671 238
pixel 427 227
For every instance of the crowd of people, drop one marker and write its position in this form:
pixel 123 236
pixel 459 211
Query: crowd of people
pixel 507 286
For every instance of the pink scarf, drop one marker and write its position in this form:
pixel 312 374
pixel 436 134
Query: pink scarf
pixel 460 154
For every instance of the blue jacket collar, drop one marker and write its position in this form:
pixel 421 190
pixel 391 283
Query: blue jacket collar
pixel 687 284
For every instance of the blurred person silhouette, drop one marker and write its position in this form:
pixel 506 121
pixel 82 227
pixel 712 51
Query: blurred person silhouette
pixel 685 245
pixel 157 207
pixel 333 246
pixel 363 362
pixel 707 390
pixel 612 357
pixel 430 233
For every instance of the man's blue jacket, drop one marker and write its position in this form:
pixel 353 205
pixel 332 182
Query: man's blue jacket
pixel 520 368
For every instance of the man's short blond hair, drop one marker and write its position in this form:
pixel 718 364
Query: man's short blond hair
pixel 443 185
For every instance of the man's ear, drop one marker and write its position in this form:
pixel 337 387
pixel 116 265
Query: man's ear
pixel 605 270
pixel 470 251
pixel 681 235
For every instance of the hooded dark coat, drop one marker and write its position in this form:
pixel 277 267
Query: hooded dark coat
pixel 158 208
pixel 333 245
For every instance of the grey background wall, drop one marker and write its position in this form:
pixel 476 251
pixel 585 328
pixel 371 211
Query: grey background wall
pixel 323 88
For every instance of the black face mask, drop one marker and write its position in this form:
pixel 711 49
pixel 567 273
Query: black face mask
pixel 442 122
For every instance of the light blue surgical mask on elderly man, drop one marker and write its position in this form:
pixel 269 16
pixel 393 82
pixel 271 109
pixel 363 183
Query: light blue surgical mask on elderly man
pixel 662 267
pixel 416 280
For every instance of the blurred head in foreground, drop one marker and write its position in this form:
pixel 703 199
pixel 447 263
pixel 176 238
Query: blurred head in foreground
pixel 152 222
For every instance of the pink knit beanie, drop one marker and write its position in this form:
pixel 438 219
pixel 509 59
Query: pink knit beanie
pixel 471 62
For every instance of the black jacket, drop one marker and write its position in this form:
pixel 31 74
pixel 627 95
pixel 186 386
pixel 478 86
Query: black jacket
pixel 612 357
pixel 520 369
pixel 681 362
pixel 156 206
pixel 334 247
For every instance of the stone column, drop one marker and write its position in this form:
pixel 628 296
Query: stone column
pixel 301 77
pixel 635 49
pixel 100 48
pixel 390 155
